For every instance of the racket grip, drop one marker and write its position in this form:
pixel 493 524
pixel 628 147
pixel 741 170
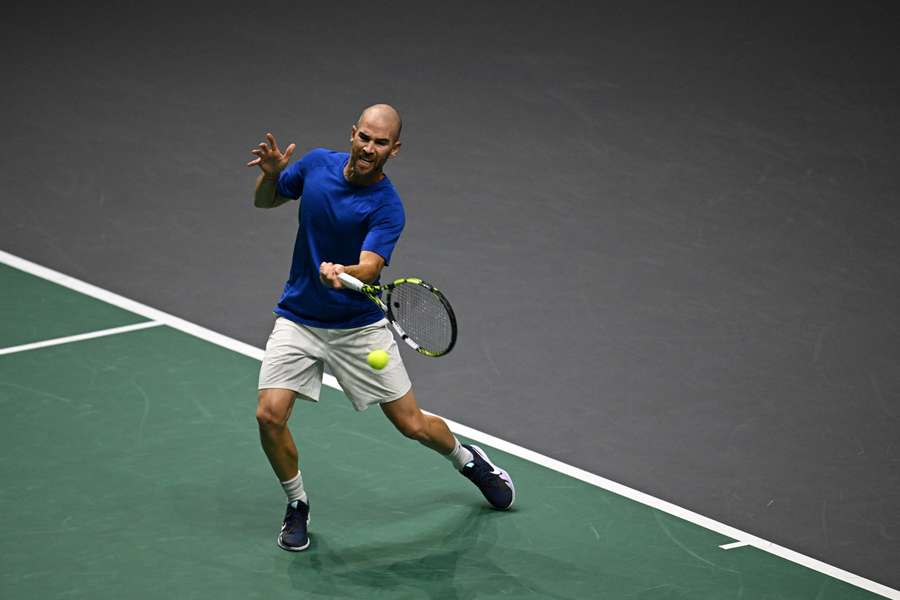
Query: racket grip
pixel 351 282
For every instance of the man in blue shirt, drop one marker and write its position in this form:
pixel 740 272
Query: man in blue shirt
pixel 350 219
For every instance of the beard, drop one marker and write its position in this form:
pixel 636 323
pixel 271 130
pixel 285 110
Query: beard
pixel 371 169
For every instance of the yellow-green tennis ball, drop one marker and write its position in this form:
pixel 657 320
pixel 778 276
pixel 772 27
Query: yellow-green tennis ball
pixel 378 359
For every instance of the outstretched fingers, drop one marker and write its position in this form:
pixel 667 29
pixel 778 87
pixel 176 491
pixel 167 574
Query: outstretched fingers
pixel 272 143
pixel 269 156
pixel 260 152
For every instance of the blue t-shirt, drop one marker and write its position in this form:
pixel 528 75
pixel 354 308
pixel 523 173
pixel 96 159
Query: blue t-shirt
pixel 337 221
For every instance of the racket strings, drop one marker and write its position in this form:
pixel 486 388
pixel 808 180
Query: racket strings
pixel 423 316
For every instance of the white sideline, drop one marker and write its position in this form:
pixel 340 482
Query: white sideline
pixel 510 448
pixel 77 338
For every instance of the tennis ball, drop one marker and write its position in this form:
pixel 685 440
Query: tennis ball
pixel 378 359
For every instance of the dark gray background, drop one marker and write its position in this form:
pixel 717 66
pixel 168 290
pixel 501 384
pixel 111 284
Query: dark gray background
pixel 670 231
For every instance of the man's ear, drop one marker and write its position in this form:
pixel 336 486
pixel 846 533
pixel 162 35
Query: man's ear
pixel 395 149
pixel 353 133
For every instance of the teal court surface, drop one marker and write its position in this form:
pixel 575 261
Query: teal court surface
pixel 131 468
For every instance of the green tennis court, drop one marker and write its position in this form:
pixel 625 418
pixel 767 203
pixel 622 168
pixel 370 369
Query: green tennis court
pixel 131 468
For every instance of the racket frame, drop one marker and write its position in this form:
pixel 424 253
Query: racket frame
pixel 374 293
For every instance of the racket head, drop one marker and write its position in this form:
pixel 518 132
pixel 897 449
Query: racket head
pixel 422 316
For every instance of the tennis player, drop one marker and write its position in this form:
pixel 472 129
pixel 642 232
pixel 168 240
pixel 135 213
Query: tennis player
pixel 350 219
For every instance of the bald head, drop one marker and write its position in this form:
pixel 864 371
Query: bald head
pixel 382 116
pixel 373 140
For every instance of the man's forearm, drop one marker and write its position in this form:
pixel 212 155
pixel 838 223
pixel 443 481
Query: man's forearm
pixel 266 194
pixel 365 272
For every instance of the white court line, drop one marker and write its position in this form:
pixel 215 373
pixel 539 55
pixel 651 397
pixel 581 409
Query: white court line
pixel 81 336
pixel 734 545
pixel 503 445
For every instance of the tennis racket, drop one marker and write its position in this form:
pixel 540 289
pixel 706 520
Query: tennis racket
pixel 420 314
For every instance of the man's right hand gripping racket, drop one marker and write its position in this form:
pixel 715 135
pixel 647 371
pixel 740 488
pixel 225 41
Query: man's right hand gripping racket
pixel 419 313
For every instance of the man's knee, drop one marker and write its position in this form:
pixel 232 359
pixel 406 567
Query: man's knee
pixel 415 428
pixel 274 408
pixel 269 419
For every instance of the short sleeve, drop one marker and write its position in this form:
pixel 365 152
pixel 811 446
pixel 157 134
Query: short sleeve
pixel 290 182
pixel 385 226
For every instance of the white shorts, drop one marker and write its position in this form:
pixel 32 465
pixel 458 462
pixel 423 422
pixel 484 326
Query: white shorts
pixel 297 354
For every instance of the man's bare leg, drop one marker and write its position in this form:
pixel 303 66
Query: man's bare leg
pixel 272 413
pixel 428 430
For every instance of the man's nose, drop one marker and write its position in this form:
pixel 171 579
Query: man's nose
pixel 369 148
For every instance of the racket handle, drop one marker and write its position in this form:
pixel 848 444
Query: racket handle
pixel 351 282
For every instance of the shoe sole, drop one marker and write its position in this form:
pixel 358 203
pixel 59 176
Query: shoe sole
pixel 503 475
pixel 293 548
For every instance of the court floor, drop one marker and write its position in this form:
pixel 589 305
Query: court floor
pixel 131 468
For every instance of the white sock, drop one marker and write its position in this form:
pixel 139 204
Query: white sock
pixel 294 489
pixel 460 456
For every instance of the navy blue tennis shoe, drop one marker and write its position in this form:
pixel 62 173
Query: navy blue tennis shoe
pixel 293 536
pixel 494 482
